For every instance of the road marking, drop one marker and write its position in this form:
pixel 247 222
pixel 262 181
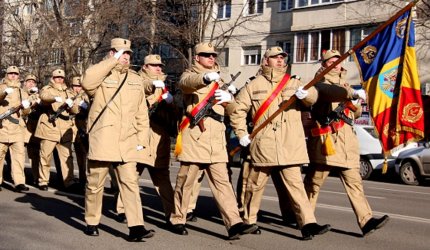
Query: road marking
pixel 399 191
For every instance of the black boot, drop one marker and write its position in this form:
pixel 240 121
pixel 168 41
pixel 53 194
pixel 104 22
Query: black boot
pixel 92 230
pixel 191 217
pixel 241 228
pixel 121 218
pixel 374 224
pixel 21 188
pixel 178 229
pixel 311 229
pixel 137 233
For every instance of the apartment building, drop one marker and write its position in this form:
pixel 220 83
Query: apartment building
pixel 303 28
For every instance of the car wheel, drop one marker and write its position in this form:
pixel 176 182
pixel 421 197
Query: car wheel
pixel 365 169
pixel 408 174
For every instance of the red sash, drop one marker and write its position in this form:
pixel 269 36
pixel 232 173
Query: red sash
pixel 265 106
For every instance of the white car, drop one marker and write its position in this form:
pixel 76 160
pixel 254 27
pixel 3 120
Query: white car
pixel 413 165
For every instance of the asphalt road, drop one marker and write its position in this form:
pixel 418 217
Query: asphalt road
pixel 55 220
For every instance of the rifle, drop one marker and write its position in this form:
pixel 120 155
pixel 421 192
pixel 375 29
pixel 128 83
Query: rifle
pixel 154 106
pixel 8 113
pixel 339 114
pixel 207 110
pixel 64 106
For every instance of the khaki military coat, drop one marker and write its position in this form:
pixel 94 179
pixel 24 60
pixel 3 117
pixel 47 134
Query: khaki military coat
pixel 282 141
pixel 13 128
pixel 80 119
pixel 159 139
pixel 33 117
pixel 197 146
pixel 332 90
pixel 61 129
pixel 124 124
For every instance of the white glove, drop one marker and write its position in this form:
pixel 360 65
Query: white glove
pixel 232 89
pixel 38 100
pixel 8 90
pixel 118 54
pixel 245 141
pixel 301 93
pixel 167 97
pixel 158 84
pixel 58 99
pixel 211 76
pixel 139 147
pixel 355 102
pixel 25 104
pixel 359 94
pixel 69 102
pixel 34 90
pixel 83 104
pixel 222 96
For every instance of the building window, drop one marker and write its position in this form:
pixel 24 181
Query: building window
pixel 285 5
pixel 251 55
pixel 56 56
pixel 78 55
pixel 25 60
pixel 223 57
pixel 254 7
pixel 310 44
pixel 224 9
pixel 286 47
pixel 27 35
pixel 75 28
pixel 307 3
pixel 358 34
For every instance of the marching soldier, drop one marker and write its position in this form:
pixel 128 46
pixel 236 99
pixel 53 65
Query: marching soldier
pixel 12 126
pixel 336 146
pixel 56 133
pixel 32 143
pixel 80 122
pixel 204 148
pixel 280 146
pixel 118 128
pixel 162 113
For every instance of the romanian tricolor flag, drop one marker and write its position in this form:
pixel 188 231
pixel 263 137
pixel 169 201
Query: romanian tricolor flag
pixel 388 68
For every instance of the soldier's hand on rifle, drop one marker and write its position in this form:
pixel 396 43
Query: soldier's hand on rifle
pixel 34 90
pixel 361 94
pixel 58 99
pixel 83 104
pixel 139 147
pixel 25 104
pixel 167 97
pixel 245 141
pixel 118 54
pixel 69 102
pixel 158 84
pixel 8 90
pixel 232 89
pixel 222 96
pixel 301 93
pixel 210 77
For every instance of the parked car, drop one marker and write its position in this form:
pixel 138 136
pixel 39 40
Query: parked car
pixel 413 165
pixel 371 156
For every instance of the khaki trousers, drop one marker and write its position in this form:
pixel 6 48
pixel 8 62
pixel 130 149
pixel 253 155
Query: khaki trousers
pixel 33 152
pixel 217 175
pixel 64 150
pixel 81 159
pixel 195 192
pixel 352 183
pixel 292 180
pixel 17 155
pixel 161 179
pixel 126 176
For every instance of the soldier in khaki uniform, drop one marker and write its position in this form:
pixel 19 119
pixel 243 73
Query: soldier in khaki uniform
pixel 346 157
pixel 32 143
pixel 280 145
pixel 162 112
pixel 57 134
pixel 118 128
pixel 205 149
pixel 80 122
pixel 12 128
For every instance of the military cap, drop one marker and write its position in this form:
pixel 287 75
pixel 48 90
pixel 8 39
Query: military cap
pixel 76 81
pixel 12 69
pixel 274 51
pixel 30 77
pixel 120 43
pixel 205 48
pixel 153 59
pixel 329 54
pixel 58 73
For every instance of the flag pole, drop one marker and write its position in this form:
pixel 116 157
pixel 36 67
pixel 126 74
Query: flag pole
pixel 317 78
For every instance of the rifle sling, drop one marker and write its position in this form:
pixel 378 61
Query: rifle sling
pixel 107 104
